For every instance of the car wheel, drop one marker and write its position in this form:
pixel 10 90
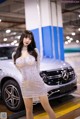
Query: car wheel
pixel 11 95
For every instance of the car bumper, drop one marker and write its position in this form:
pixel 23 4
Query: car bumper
pixel 61 90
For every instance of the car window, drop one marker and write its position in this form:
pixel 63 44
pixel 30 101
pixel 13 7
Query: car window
pixel 6 52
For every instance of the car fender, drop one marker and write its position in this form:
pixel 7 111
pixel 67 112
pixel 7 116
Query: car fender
pixel 10 70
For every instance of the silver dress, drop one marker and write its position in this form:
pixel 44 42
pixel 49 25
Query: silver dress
pixel 32 85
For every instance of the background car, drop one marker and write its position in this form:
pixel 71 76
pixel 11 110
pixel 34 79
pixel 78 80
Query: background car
pixel 59 77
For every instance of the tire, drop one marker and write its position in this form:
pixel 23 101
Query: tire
pixel 11 95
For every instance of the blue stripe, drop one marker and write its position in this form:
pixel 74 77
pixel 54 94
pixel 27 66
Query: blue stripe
pixel 55 42
pixel 61 42
pixel 47 41
pixel 72 50
pixel 36 37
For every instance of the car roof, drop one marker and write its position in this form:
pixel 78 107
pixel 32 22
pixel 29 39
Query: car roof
pixel 5 45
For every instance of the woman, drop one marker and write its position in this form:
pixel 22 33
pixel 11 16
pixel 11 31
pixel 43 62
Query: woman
pixel 26 58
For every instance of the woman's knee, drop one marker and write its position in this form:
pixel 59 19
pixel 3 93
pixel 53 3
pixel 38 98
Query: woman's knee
pixel 28 105
pixel 29 110
pixel 44 100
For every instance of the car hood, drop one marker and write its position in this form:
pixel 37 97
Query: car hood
pixel 45 64
pixel 9 69
pixel 6 64
pixel 51 64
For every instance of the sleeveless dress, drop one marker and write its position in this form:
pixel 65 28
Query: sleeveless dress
pixel 32 85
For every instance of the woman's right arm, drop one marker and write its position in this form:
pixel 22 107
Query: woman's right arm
pixel 13 56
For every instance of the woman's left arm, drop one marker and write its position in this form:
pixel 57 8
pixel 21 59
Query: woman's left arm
pixel 38 59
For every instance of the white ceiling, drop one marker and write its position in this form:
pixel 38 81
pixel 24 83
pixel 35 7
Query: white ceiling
pixel 13 17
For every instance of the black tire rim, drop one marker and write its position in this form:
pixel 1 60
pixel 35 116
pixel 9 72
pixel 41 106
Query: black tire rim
pixel 11 96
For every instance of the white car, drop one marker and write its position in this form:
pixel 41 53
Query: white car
pixel 59 77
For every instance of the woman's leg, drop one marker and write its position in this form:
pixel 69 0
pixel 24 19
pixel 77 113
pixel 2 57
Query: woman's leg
pixel 45 103
pixel 29 107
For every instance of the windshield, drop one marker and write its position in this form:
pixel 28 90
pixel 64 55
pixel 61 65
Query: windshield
pixel 6 52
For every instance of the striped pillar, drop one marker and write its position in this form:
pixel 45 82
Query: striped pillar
pixel 42 18
pixel 32 19
pixel 58 41
pixel 46 28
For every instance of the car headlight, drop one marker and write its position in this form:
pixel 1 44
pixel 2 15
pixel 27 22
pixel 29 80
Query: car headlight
pixel 43 75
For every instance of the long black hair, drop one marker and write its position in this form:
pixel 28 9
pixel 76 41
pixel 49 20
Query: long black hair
pixel 31 46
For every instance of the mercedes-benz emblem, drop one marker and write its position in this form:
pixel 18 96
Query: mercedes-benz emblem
pixel 65 75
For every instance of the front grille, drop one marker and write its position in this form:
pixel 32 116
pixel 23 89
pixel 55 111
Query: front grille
pixel 60 76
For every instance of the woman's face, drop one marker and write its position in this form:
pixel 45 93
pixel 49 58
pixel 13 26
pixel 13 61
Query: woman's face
pixel 26 41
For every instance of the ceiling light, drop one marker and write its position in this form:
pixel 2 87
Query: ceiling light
pixel 5 39
pixel 0 20
pixel 16 44
pixel 7 44
pixel 66 42
pixel 67 37
pixel 15 41
pixel 18 37
pixel 73 33
pixel 79 15
pixel 13 33
pixel 78 29
pixel 71 39
pixel 12 43
pixel 77 41
pixel 8 31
